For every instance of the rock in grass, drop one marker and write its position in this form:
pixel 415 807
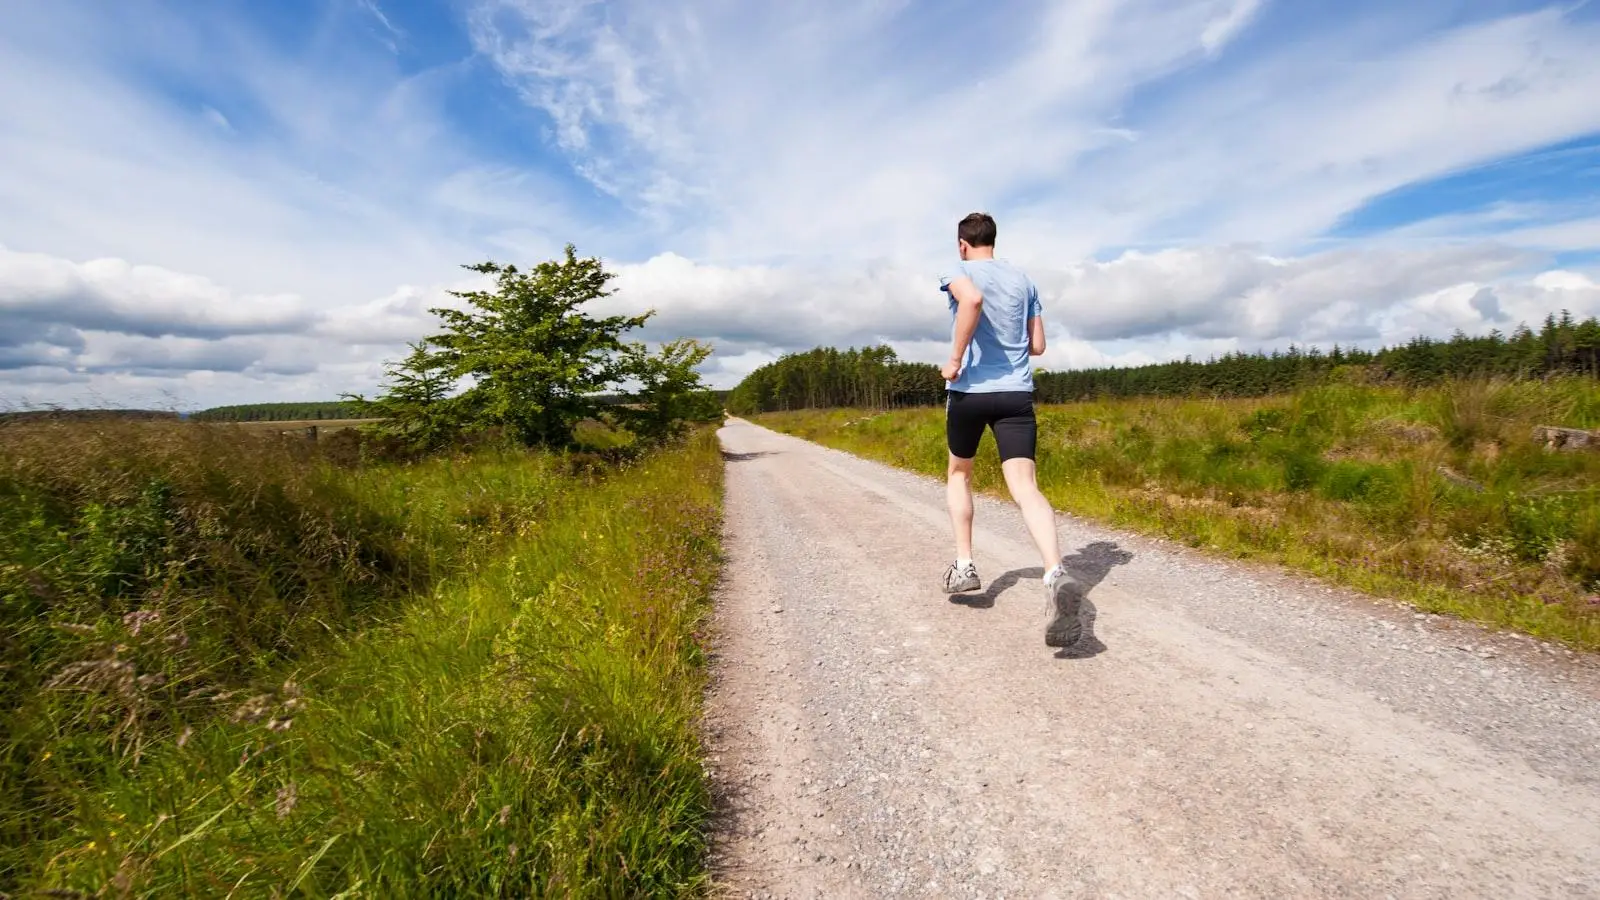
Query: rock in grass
pixel 1556 438
pixel 1459 480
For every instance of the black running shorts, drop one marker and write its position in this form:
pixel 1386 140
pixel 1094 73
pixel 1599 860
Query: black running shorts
pixel 1010 414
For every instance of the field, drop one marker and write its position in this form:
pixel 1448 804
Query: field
pixel 1439 497
pixel 231 670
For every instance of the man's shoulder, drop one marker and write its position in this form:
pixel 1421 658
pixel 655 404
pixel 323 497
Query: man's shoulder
pixel 1012 269
pixel 955 272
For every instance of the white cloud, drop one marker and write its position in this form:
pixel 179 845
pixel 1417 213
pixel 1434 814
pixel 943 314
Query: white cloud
pixel 1572 234
pixel 114 295
pixel 106 327
pixel 373 9
pixel 1139 307
pixel 1219 31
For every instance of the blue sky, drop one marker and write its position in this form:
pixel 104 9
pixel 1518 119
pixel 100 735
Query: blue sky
pixel 233 201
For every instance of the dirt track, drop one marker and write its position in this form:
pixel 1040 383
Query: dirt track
pixel 1222 731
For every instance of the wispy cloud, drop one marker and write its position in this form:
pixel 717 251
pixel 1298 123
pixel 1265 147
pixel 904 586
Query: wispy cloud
pixel 390 36
pixel 215 117
pixel 376 11
pixel 794 150
pixel 1219 31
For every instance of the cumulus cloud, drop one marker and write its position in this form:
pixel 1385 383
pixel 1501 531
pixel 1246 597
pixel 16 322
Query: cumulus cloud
pixel 114 295
pixel 1334 296
pixel 106 319
pixel 1136 308
pixel 776 306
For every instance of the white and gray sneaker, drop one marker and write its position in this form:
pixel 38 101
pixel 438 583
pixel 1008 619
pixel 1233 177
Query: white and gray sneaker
pixel 1063 601
pixel 960 579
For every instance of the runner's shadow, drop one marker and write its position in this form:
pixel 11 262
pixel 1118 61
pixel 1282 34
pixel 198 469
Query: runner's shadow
pixel 1089 567
pixel 729 456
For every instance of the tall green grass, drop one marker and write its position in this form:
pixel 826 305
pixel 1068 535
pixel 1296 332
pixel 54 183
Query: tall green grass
pixel 1439 496
pixel 243 673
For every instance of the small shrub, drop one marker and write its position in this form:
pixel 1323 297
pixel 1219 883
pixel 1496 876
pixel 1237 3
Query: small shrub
pixel 1467 413
pixel 1302 468
pixel 1537 526
pixel 1265 422
pixel 1349 481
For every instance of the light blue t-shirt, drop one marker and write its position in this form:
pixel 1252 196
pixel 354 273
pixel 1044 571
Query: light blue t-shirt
pixel 997 359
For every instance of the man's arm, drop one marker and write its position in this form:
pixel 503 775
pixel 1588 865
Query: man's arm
pixel 1036 336
pixel 969 306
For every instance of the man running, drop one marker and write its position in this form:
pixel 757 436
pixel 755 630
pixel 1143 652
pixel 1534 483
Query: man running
pixel 998 328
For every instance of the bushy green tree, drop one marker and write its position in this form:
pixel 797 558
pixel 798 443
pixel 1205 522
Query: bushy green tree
pixel 526 357
pixel 416 405
pixel 669 395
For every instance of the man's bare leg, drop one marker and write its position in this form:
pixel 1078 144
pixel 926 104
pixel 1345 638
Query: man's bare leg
pixel 1022 481
pixel 958 493
pixel 1063 593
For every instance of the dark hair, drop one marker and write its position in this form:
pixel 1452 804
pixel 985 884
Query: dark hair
pixel 977 229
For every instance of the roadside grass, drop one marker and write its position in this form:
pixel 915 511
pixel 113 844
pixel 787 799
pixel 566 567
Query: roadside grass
pixel 231 671
pixel 1437 497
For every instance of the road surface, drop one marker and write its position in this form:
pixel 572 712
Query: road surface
pixel 1222 731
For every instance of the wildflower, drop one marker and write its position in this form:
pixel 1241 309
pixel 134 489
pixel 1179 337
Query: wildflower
pixel 253 710
pixel 136 620
pixel 288 795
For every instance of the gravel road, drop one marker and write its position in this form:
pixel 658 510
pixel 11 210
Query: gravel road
pixel 1223 730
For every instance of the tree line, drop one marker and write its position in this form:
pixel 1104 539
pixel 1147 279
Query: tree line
pixel 874 377
pixel 277 412
pixel 871 377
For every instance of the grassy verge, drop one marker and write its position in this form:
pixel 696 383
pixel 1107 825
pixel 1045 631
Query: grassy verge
pixel 1438 497
pixel 498 704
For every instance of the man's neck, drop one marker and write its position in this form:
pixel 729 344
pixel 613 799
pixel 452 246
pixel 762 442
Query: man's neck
pixel 977 253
